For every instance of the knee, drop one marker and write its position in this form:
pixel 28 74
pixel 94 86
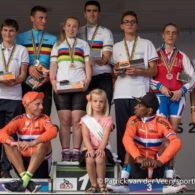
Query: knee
pixel 100 161
pixel 90 161
pixel 65 122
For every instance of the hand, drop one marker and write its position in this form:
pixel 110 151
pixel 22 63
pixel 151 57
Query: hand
pixel 176 95
pixel 132 71
pixel 23 145
pixel 100 61
pixel 54 85
pixel 9 83
pixel 165 91
pixel 90 153
pixel 86 84
pixel 100 153
pixel 35 73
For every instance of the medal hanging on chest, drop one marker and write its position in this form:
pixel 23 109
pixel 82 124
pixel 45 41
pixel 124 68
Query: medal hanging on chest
pixel 169 64
pixel 36 49
pixel 71 51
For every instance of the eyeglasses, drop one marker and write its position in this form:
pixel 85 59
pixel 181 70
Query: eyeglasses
pixel 132 22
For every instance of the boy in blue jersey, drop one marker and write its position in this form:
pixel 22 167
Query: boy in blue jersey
pixel 39 44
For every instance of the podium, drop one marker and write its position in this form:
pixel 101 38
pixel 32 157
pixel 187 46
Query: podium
pixel 69 177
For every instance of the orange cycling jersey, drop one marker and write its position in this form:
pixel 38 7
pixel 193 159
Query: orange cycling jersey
pixel 145 138
pixel 28 129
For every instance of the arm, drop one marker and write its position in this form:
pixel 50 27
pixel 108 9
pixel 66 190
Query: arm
pixel 128 139
pixel 52 75
pixel 88 71
pixel 86 140
pixel 174 142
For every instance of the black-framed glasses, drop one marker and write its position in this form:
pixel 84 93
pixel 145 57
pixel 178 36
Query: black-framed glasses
pixel 132 22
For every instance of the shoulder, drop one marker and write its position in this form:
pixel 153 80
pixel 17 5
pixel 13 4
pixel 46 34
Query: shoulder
pixel 118 44
pixel 81 41
pixel 144 41
pixel 19 117
pixel 51 36
pixel 105 29
pixel 20 47
pixel 163 121
pixel 133 120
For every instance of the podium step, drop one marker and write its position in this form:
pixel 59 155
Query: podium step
pixel 69 177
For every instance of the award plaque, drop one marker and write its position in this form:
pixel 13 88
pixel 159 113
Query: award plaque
pixel 4 76
pixel 67 87
pixel 35 83
pixel 183 77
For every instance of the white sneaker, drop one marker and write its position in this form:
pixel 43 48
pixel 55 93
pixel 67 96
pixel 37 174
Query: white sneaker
pixel 174 189
pixel 118 188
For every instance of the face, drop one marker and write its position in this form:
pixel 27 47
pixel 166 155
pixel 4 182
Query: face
pixel 141 110
pixel 8 34
pixel 97 103
pixel 92 14
pixel 35 108
pixel 170 35
pixel 129 24
pixel 71 27
pixel 39 20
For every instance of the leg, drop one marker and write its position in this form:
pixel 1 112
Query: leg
pixel 91 170
pixel 78 110
pixel 124 108
pixel 13 109
pixel 101 171
pixel 77 136
pixel 65 125
pixel 38 156
pixel 47 102
pixel 175 122
pixel 15 158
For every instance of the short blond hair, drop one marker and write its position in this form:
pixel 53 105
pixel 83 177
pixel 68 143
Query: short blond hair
pixel 89 98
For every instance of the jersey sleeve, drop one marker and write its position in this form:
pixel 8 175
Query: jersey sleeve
pixel 50 130
pixel 9 129
pixel 108 40
pixel 174 142
pixel 151 52
pixel 54 54
pixel 128 138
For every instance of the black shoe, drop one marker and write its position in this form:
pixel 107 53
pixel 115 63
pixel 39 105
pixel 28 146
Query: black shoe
pixel 5 174
pixel 33 187
pixel 14 186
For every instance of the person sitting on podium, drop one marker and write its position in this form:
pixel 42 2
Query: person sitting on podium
pixel 31 153
pixel 151 142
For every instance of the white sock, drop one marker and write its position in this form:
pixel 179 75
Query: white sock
pixel 169 173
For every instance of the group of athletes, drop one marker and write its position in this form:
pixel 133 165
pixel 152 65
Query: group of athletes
pixel 147 86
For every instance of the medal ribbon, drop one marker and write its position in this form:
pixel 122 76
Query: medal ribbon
pixel 6 65
pixel 172 61
pixel 71 49
pixel 36 50
pixel 93 36
pixel 130 57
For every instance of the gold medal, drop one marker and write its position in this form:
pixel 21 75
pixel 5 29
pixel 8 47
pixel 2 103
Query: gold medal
pixel 169 76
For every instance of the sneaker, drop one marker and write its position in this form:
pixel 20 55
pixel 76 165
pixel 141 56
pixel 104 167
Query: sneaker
pixel 118 188
pixel 33 187
pixel 66 156
pixel 75 156
pixel 14 186
pixel 174 189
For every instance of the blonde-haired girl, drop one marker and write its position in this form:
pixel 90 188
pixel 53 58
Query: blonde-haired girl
pixel 96 128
